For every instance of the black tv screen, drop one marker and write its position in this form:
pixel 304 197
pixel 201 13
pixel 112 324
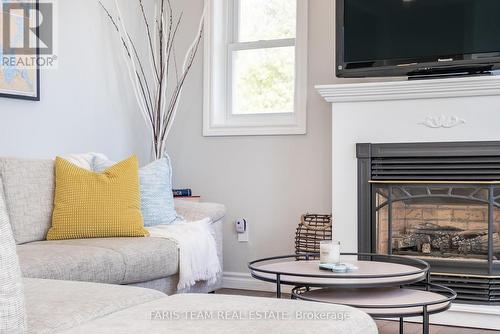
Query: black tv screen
pixel 401 37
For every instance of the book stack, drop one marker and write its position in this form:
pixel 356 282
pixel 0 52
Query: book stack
pixel 185 194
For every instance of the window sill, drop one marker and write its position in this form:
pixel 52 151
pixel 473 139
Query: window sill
pixel 253 125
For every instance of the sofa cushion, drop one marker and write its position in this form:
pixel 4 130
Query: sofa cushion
pixel 12 312
pixel 29 195
pixel 157 200
pixel 54 306
pixel 102 260
pixel 97 205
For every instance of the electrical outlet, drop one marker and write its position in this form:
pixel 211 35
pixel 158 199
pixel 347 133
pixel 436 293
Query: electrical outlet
pixel 243 237
pixel 241 226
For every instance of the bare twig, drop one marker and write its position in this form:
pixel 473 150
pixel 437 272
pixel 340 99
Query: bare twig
pixel 170 22
pixel 161 82
pixel 171 43
pixel 148 30
pixel 143 81
pixel 138 89
pixel 158 105
pixel 110 17
pixel 178 89
pixel 175 67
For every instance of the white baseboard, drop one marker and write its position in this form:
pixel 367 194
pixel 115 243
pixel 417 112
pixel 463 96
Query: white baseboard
pixel 244 281
pixel 467 315
pixel 461 315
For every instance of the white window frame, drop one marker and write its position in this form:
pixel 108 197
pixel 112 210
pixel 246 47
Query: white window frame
pixel 218 119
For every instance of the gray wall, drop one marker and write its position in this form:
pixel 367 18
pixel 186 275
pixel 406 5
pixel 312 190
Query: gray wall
pixel 86 104
pixel 269 180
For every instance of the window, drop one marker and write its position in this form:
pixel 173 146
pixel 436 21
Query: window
pixel 255 67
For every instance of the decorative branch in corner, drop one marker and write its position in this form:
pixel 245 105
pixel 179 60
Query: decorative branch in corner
pixel 442 121
pixel 159 86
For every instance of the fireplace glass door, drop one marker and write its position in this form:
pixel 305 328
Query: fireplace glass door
pixel 450 222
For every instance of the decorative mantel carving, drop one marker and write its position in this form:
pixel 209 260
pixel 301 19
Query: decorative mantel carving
pixel 442 121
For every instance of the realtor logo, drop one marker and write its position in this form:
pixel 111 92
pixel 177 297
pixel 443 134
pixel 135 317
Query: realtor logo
pixel 28 28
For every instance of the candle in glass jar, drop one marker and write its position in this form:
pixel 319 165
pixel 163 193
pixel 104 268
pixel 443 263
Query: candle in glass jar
pixel 329 252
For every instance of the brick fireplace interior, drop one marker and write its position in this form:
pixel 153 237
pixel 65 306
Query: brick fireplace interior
pixel 449 222
pixel 439 202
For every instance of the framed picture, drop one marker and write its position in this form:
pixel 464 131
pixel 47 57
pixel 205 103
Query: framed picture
pixel 19 68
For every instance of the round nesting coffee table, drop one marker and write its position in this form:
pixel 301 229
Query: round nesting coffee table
pixel 376 287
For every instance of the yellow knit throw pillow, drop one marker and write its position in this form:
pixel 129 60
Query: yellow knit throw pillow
pixel 97 205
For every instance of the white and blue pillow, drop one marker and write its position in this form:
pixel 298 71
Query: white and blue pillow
pixel 157 200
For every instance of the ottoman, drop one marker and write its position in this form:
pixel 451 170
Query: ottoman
pixel 80 307
pixel 214 314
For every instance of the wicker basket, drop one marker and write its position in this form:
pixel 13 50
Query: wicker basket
pixel 312 229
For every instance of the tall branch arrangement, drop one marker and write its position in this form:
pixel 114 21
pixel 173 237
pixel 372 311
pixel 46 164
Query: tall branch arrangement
pixel 158 86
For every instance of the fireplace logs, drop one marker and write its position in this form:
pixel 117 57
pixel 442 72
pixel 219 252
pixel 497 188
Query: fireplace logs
pixel 479 244
pixel 429 238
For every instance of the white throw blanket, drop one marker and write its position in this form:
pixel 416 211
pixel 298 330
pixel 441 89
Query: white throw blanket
pixel 198 259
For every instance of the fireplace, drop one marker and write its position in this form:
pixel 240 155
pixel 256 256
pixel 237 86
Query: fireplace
pixel 439 202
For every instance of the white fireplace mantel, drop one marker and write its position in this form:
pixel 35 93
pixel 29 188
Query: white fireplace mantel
pixel 411 89
pixel 438 110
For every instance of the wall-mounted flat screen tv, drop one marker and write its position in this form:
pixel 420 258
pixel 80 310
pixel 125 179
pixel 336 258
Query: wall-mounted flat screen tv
pixel 417 37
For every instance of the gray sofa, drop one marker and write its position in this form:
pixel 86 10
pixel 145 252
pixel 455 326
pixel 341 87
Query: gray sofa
pixel 64 297
pixel 28 188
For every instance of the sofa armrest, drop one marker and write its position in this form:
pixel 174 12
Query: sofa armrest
pixel 192 211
